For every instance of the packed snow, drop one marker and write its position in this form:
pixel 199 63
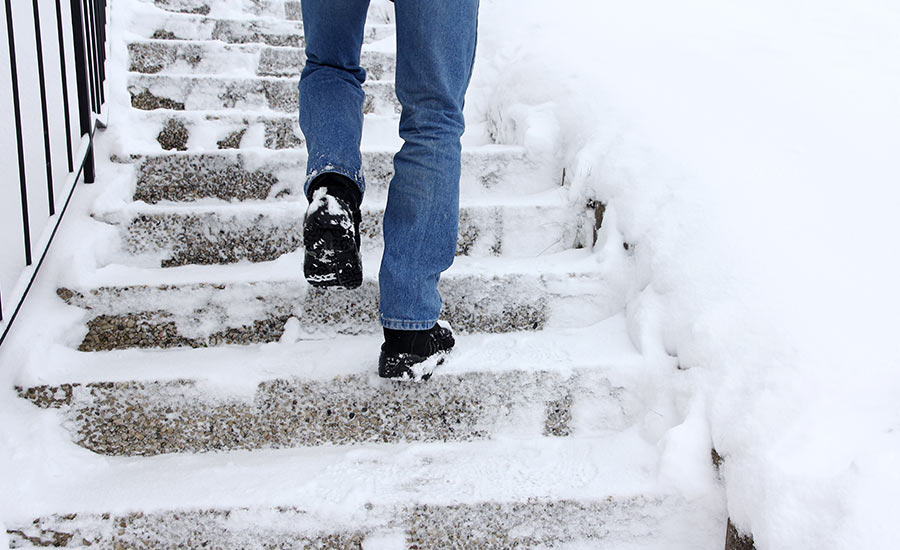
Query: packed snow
pixel 748 155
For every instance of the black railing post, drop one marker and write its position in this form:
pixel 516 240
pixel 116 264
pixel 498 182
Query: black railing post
pixel 64 80
pixel 81 78
pixel 42 87
pixel 20 146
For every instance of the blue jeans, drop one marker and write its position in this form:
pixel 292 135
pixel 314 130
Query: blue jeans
pixel 435 53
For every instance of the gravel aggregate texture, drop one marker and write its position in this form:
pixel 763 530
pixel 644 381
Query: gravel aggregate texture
pixel 232 140
pixel 223 237
pixel 152 418
pixel 175 530
pixel 146 101
pixel 174 136
pixel 228 176
pixel 203 315
pixel 191 177
pixel 533 524
pixel 153 57
pixel 205 92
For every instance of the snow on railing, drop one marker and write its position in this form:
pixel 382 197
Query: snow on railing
pixel 50 106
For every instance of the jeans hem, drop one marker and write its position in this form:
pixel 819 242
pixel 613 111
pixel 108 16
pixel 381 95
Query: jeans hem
pixel 353 176
pixel 397 324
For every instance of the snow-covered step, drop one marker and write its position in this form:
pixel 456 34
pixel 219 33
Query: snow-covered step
pixel 174 236
pixel 247 94
pixel 380 11
pixel 237 31
pixel 175 57
pixel 262 174
pixel 547 492
pixel 201 306
pixel 279 9
pixel 625 522
pixel 165 130
pixel 230 31
pixel 133 418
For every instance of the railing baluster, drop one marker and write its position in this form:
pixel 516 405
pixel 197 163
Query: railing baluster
pixel 20 145
pixel 42 87
pixel 64 79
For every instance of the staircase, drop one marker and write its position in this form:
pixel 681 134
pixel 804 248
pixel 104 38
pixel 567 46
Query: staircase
pixel 240 408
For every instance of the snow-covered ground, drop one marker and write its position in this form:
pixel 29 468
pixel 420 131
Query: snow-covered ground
pixel 748 152
pixel 747 155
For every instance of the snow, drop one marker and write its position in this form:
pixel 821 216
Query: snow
pixel 747 152
pixel 747 156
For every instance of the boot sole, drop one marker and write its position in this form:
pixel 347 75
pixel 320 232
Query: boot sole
pixel 331 258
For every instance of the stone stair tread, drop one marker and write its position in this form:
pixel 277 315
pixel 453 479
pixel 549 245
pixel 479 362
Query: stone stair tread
pixel 562 265
pixel 271 9
pixel 163 130
pixel 277 9
pixel 154 23
pixel 615 463
pixel 536 523
pixel 480 295
pixel 212 57
pixel 187 416
pixel 263 231
pixel 246 30
pixel 260 93
pixel 604 347
pixel 601 492
pixel 263 173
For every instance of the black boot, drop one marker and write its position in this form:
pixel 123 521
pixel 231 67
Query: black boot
pixel 404 353
pixel 331 233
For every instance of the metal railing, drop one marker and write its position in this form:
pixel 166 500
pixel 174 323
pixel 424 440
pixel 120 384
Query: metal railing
pixel 50 156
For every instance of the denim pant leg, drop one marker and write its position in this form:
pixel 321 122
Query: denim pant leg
pixel 435 52
pixel 331 95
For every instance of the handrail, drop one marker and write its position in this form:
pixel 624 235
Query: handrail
pixel 83 41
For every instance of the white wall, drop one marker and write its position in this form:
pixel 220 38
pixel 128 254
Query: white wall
pixel 12 249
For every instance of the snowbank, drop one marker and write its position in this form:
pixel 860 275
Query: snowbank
pixel 747 152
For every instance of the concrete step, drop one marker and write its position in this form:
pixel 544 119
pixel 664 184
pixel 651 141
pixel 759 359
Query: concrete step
pixel 186 416
pixel 210 93
pixel 574 492
pixel 538 523
pixel 199 131
pixel 277 9
pixel 200 306
pixel 179 57
pixel 272 32
pixel 175 236
pixel 380 11
pixel 263 174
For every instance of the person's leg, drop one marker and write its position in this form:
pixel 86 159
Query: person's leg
pixel 435 53
pixel 331 95
pixel 331 118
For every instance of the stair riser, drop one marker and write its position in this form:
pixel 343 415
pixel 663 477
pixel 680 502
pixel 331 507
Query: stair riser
pixel 235 176
pixel 531 524
pixel 152 418
pixel 189 58
pixel 194 93
pixel 216 238
pixel 202 315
